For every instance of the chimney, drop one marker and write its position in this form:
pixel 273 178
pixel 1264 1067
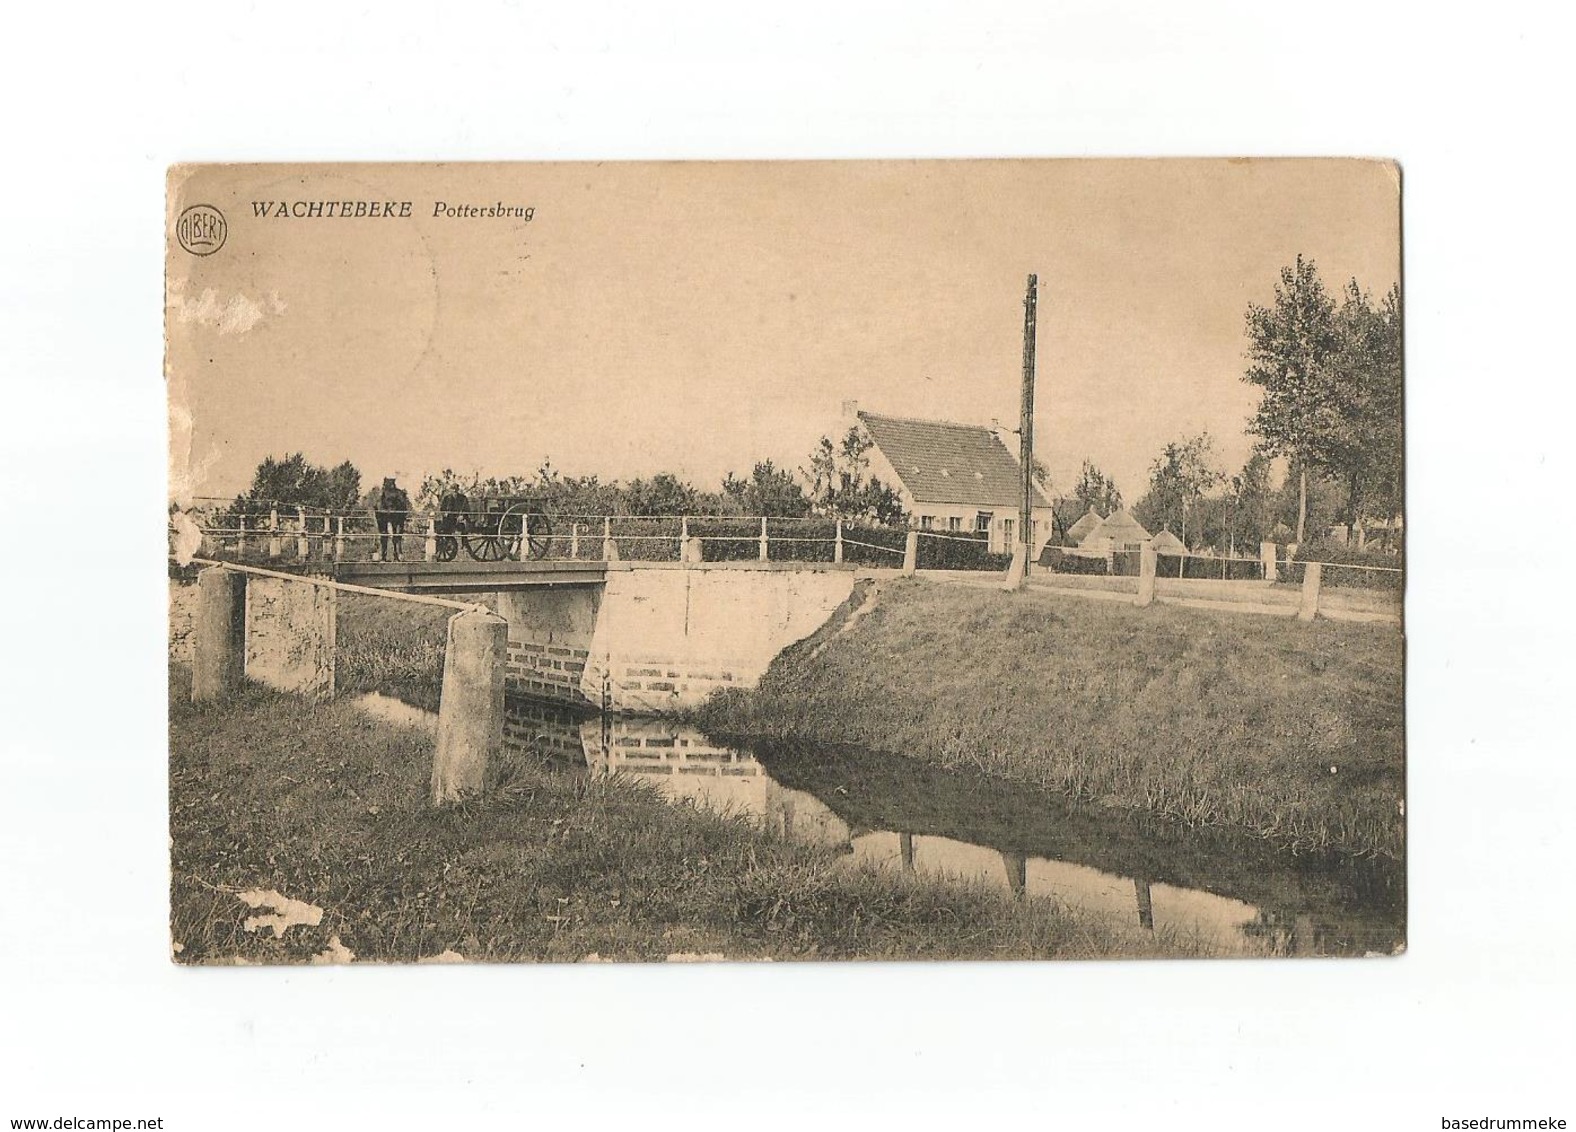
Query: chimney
pixel 850 413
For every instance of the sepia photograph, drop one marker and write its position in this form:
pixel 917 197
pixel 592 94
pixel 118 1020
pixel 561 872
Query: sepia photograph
pixel 958 566
pixel 794 560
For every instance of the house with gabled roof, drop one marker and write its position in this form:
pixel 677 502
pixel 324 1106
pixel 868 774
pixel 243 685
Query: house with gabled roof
pixel 952 477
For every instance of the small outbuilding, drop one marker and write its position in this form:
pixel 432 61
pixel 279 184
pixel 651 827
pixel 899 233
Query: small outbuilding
pixel 1167 543
pixel 1120 531
pixel 1080 530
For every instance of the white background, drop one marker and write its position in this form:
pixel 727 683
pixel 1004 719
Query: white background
pixel 1475 1020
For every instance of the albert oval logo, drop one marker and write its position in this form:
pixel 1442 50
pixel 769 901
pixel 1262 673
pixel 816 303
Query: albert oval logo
pixel 201 229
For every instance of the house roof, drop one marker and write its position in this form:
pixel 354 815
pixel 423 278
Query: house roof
pixel 1090 520
pixel 942 462
pixel 1119 527
pixel 1167 543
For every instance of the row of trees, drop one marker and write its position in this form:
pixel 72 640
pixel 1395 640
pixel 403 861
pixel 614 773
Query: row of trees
pixel 295 481
pixel 1331 375
pixel 836 483
pixel 1191 495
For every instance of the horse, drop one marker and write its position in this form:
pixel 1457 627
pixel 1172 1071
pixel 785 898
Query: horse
pixel 393 506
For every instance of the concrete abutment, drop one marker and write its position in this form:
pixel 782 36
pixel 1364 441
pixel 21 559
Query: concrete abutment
pixel 655 639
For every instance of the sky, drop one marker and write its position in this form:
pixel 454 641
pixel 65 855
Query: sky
pixel 697 317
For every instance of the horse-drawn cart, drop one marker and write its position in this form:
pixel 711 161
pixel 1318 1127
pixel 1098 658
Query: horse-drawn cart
pixel 491 528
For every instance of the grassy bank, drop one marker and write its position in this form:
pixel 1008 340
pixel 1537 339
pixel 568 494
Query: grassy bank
pixel 392 647
pixel 1272 728
pixel 324 805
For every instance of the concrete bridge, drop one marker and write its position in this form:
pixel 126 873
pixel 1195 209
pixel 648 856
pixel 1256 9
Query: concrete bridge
pixel 639 636
pixel 632 636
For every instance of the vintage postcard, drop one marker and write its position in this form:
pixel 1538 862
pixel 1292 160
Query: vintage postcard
pixel 786 560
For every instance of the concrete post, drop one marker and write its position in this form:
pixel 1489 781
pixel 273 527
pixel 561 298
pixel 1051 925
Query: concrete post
pixel 1267 560
pixel 609 547
pixel 911 554
pixel 1017 569
pixel 837 547
pixel 273 533
pixel 303 545
pixel 240 538
pixel 470 716
pixel 1311 577
pixel 764 551
pixel 1147 564
pixel 339 537
pixel 218 634
pixel 574 540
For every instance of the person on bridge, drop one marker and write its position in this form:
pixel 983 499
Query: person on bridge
pixel 392 509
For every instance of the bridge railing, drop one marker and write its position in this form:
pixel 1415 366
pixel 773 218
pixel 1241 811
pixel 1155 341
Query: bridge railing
pixel 303 535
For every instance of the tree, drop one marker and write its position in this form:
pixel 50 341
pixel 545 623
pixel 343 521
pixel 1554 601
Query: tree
pixel 1094 489
pixel 1366 446
pixel 1252 504
pixel 1303 492
pixel 1332 386
pixel 662 494
pixel 296 482
pixel 841 484
pixel 1291 347
pixel 770 491
pixel 1178 479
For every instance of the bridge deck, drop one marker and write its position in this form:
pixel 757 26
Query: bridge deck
pixel 466 576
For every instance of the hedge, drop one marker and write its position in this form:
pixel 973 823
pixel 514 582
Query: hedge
pixel 1204 566
pixel 1387 577
pixel 964 551
pixel 1062 561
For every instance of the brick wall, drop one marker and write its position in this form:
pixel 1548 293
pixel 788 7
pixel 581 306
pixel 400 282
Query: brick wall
pixel 545 731
pixel 550 671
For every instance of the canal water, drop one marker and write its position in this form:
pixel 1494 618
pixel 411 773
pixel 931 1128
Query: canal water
pixel 1238 897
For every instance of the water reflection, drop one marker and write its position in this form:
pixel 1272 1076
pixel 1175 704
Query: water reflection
pixel 1234 903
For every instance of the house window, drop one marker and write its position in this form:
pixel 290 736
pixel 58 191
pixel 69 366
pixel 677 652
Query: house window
pixel 927 522
pixel 982 521
pixel 1006 532
pixel 954 523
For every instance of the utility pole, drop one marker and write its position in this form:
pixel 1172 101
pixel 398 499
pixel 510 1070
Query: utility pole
pixel 1026 423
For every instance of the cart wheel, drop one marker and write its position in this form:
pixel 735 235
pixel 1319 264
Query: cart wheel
pixel 538 534
pixel 511 526
pixel 485 548
pixel 528 532
pixel 448 548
